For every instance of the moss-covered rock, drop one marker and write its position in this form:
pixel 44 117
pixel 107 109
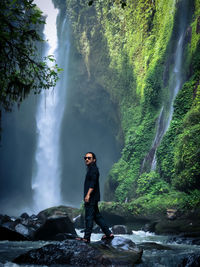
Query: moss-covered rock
pixel 59 211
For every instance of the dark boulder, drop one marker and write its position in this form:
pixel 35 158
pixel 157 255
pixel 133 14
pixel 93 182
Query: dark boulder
pixel 64 236
pixel 54 226
pixel 119 229
pixel 24 215
pixel 24 230
pixel 10 235
pixel 181 239
pixel 38 227
pixel 76 253
pixel 10 225
pixel 5 219
pixel 183 225
pixel 153 246
pixel 191 260
pixel 60 211
pixel 149 227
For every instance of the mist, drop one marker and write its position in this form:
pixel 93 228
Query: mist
pixel 87 125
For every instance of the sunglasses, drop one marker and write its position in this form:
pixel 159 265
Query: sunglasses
pixel 87 158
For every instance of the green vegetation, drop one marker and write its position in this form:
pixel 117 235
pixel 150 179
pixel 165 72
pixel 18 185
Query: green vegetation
pixel 22 69
pixel 128 53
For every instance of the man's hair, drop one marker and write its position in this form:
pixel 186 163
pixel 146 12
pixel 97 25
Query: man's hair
pixel 93 155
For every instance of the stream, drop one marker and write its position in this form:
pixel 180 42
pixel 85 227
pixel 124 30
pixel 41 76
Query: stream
pixel 172 253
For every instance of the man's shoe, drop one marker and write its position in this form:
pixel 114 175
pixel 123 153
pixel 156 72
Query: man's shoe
pixel 107 237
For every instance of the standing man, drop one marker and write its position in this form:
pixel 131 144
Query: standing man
pixel 91 198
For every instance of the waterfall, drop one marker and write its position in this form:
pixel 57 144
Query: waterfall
pixel 175 84
pixel 46 177
pixel 174 88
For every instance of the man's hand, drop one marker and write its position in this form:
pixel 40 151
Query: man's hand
pixel 87 198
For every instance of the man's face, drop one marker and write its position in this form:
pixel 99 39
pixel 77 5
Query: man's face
pixel 89 159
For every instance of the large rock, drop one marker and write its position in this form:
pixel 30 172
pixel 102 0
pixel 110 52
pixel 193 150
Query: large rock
pixel 10 235
pixel 50 224
pixel 61 211
pixel 118 252
pixel 153 246
pixel 185 225
pixel 119 229
pixel 54 226
pixel 192 260
pixel 171 221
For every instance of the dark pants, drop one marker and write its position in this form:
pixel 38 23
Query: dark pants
pixel 92 214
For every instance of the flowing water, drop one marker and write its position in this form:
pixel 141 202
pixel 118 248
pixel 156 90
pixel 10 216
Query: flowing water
pixel 47 170
pixel 171 255
pixel 175 83
pixel 174 88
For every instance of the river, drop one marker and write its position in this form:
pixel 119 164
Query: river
pixel 171 255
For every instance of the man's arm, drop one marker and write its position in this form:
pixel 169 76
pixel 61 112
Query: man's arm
pixel 87 197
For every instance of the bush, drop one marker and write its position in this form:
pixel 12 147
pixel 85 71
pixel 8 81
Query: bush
pixel 150 183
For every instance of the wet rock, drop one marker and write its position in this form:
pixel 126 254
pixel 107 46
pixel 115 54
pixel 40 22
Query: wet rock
pixel 191 260
pixel 171 214
pixel 54 226
pixel 25 231
pixel 10 235
pixel 118 252
pixel 189 226
pixel 149 227
pixel 79 221
pixel 64 236
pixel 24 215
pixel 60 211
pixel 10 225
pixel 5 218
pixel 119 229
pixel 152 246
pixel 41 227
pixel 122 243
pixel 180 239
pixel 33 217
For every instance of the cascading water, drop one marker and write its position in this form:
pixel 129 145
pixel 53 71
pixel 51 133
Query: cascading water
pixel 176 81
pixel 47 169
pixel 174 88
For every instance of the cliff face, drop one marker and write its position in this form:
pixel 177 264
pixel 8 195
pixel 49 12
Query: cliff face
pixel 132 64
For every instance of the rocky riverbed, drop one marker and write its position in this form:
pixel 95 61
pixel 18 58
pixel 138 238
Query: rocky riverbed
pixel 49 238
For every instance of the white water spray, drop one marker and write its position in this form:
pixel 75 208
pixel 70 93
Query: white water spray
pixel 47 170
pixel 174 88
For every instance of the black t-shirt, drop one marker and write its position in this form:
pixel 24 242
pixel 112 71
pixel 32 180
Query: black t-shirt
pixel 92 181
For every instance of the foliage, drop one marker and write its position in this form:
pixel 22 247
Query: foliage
pixel 21 68
pixel 121 2
pixel 130 53
pixel 187 153
pixel 178 155
pixel 150 183
pixel 155 204
pixel 152 204
pixel 165 153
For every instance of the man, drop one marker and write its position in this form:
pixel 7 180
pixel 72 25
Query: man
pixel 91 198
